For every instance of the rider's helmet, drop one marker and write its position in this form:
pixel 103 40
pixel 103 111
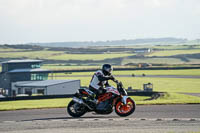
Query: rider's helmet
pixel 107 69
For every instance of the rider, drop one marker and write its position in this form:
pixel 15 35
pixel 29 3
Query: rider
pixel 100 79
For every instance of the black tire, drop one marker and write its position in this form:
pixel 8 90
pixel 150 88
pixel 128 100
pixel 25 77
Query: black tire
pixel 118 103
pixel 76 113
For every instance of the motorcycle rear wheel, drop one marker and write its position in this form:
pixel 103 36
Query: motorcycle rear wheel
pixel 125 110
pixel 75 109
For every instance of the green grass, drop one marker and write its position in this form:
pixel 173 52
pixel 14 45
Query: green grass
pixel 30 54
pixel 194 72
pixel 174 52
pixel 159 84
pixel 193 61
pixel 61 67
pixel 171 47
pixel 60 55
pixel 154 61
pixel 173 98
pixel 34 104
pixel 164 47
pixel 191 72
pixel 88 56
pixel 10 49
pixel 165 84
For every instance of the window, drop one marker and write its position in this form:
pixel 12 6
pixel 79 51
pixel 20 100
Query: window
pixel 4 67
pixel 35 66
pixel 20 91
pixel 39 76
pixel 28 91
pixel 40 91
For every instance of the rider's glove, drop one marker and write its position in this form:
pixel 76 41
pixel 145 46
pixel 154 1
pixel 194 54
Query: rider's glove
pixel 112 77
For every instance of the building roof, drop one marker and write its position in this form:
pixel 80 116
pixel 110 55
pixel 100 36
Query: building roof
pixel 41 84
pixel 21 61
pixel 29 70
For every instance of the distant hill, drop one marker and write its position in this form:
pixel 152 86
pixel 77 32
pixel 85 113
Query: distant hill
pixel 157 41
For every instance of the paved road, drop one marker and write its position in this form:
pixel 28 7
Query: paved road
pixel 149 118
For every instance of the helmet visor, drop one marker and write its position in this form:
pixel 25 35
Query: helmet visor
pixel 109 70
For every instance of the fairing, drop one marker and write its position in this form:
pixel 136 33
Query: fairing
pixel 112 90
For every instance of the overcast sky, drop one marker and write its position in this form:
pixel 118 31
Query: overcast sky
pixel 25 21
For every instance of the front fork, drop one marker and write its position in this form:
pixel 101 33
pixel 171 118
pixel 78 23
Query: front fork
pixel 124 99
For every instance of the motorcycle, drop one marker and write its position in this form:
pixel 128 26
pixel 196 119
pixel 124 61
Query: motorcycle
pixel 116 98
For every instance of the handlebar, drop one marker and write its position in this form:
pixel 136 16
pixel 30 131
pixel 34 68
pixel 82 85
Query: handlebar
pixel 116 81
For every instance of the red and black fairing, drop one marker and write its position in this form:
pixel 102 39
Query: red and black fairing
pixel 83 92
pixel 106 102
pixel 104 97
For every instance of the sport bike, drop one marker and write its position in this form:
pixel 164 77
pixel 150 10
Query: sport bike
pixel 113 99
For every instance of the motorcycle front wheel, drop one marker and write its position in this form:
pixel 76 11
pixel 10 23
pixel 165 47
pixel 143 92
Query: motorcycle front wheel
pixel 125 109
pixel 75 109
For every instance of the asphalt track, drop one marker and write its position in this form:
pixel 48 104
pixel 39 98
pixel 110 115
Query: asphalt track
pixel 148 118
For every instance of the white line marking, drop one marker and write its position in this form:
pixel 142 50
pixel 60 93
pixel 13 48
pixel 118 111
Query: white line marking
pixel 112 119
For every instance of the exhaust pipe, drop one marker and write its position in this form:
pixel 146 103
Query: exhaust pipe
pixel 80 101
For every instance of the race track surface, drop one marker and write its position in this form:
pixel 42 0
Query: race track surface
pixel 148 118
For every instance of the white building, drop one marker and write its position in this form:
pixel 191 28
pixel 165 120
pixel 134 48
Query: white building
pixel 46 87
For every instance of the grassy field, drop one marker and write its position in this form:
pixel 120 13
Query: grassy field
pixel 9 49
pixel 163 47
pixel 194 72
pixel 172 47
pixel 30 54
pixel 61 67
pixel 159 84
pixel 173 98
pixel 165 51
pixel 88 56
pixel 33 104
pixel 191 72
pixel 173 86
pixel 60 55
pixel 174 52
pixel 154 60
pixel 165 84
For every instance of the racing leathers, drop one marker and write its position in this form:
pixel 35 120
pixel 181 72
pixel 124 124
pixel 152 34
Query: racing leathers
pixel 98 82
